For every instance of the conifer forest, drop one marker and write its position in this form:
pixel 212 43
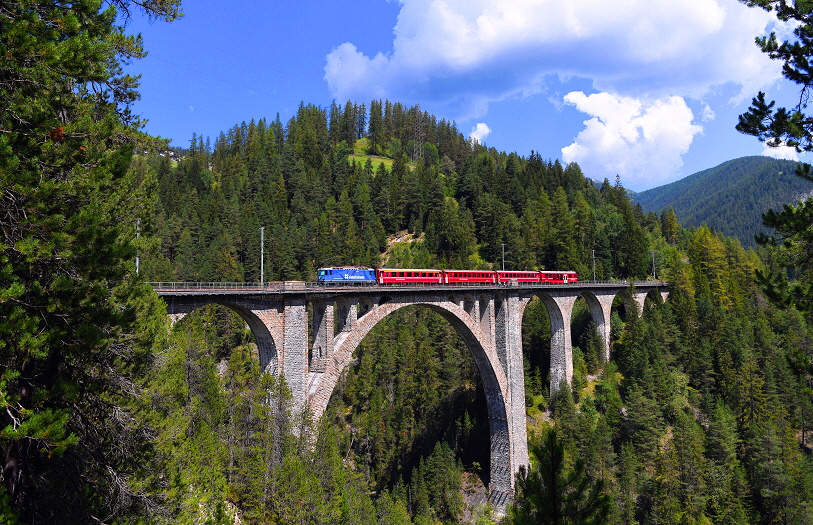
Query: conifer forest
pixel 111 414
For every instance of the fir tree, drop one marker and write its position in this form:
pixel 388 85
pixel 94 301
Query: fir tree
pixel 554 493
pixel 68 340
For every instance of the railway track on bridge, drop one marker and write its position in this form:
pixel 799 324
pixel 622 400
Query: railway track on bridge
pixel 298 287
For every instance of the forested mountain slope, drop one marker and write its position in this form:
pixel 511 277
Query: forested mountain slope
pixel 318 208
pixel 730 198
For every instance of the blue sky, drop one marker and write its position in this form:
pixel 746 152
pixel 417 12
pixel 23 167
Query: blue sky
pixel 646 89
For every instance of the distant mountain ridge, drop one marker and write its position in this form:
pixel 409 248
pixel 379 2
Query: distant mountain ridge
pixel 730 198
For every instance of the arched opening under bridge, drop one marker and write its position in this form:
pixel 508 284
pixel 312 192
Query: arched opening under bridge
pixel 503 448
pixel 412 390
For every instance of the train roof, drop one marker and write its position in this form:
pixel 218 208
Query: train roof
pixel 409 270
pixel 345 268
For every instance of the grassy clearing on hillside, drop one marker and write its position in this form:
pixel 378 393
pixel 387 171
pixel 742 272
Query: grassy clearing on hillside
pixel 375 160
pixel 360 155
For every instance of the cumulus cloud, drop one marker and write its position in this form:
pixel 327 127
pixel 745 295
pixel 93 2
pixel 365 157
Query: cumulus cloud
pixel 640 140
pixel 460 55
pixel 479 132
pixel 781 152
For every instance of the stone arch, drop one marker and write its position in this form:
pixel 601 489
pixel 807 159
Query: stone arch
pixel 263 336
pixel 657 295
pixel 559 307
pixel 600 303
pixel 635 297
pixel 502 464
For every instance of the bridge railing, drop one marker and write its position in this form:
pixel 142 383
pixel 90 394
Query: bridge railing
pixel 278 286
pixel 191 286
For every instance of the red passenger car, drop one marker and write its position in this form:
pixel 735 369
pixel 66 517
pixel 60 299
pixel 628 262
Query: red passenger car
pixel 553 277
pixel 469 277
pixel 520 277
pixel 408 276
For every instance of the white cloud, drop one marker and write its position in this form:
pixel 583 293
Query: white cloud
pixel 462 54
pixel 640 140
pixel 479 132
pixel 708 114
pixel 781 152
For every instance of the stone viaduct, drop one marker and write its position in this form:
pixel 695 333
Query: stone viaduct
pixel 312 355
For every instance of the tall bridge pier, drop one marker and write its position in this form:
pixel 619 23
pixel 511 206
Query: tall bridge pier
pixel 488 318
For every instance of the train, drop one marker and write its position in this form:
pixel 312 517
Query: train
pixel 383 276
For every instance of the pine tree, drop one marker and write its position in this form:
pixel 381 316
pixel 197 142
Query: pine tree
pixel 669 225
pixel 563 254
pixel 68 342
pixel 787 127
pixel 553 493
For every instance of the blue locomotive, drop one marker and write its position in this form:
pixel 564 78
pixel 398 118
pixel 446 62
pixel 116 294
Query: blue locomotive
pixel 346 275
